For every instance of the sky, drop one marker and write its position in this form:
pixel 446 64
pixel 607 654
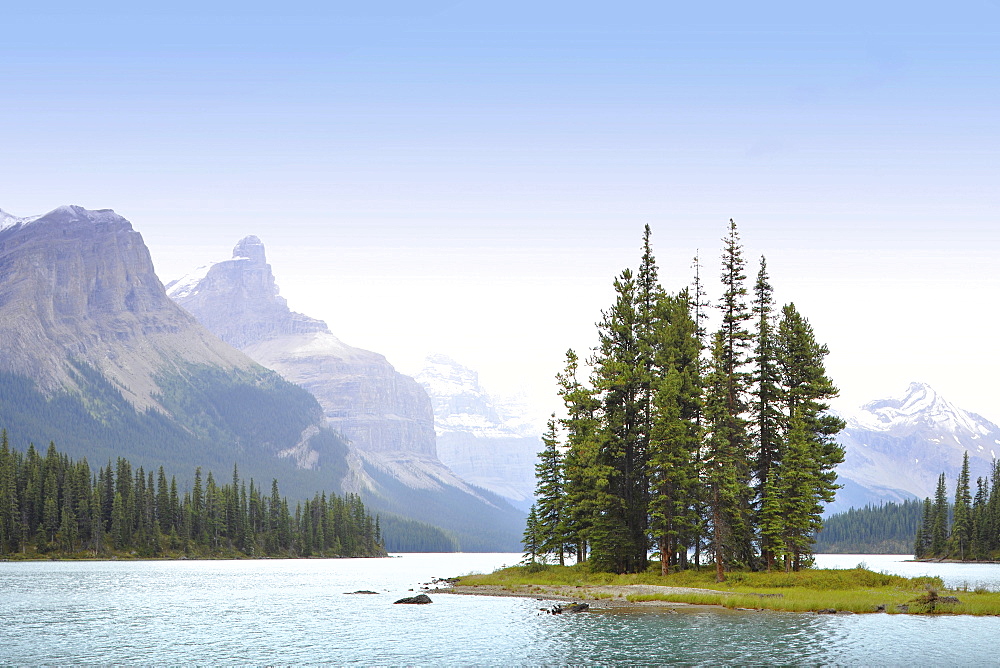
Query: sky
pixel 469 177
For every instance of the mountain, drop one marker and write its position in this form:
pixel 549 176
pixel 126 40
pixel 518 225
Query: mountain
pixel 488 442
pixel 384 415
pixel 363 396
pixel 896 448
pixel 96 357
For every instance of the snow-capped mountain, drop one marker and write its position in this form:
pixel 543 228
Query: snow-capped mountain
pixel 896 448
pixel 8 220
pixel 488 441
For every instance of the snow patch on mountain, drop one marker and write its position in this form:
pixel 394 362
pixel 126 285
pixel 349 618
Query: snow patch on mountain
pixel 186 285
pixel 897 447
pixel 8 220
pixel 461 404
pixel 491 442
pixel 920 407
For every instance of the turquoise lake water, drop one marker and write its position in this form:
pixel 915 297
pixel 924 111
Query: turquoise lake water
pixel 297 612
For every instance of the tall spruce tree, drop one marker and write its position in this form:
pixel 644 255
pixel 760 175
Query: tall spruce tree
pixel 675 433
pixel 939 527
pixel 550 526
pixel 619 539
pixel 729 442
pixel 530 539
pixel 961 528
pixel 700 306
pixel 584 477
pixel 805 390
pixel 768 420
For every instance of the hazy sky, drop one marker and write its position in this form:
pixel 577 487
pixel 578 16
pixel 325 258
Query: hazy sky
pixel 469 177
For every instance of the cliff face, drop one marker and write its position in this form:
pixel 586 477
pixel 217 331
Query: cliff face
pixel 363 397
pixel 80 284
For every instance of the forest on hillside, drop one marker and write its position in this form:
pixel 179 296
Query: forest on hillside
pixel 714 445
pixel 888 528
pixel 53 506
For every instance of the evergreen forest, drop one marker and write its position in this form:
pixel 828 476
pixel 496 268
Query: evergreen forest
pixel 51 505
pixel 887 528
pixel 706 447
pixel 967 529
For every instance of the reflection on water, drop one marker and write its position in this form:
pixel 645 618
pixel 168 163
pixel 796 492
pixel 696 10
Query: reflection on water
pixel 297 612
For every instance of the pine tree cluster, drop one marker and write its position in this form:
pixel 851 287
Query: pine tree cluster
pixel 698 446
pixel 55 506
pixel 968 529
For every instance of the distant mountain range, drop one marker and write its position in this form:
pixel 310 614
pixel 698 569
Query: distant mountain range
pixel 485 440
pixel 96 357
pixel 385 416
pixel 896 448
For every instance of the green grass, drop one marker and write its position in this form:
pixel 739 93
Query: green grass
pixel 845 590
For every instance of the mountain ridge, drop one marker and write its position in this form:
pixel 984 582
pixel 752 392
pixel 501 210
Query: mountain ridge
pixel 384 415
pixel 896 447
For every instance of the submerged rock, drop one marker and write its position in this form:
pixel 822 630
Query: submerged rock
pixel 572 607
pixel 419 599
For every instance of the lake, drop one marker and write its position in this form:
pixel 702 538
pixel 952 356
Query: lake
pixel 268 612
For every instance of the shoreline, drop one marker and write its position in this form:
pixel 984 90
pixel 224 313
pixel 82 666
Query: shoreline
pixel 598 597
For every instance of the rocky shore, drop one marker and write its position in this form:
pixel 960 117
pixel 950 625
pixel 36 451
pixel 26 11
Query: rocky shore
pixel 598 596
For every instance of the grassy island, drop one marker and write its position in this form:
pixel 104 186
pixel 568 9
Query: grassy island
pixel 856 590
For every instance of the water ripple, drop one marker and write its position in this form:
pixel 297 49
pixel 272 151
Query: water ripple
pixel 295 612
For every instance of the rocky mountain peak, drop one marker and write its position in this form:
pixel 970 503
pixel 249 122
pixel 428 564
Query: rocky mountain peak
pixel 251 248
pixel 238 299
pixel 896 447
pixel 79 284
pixel 920 407
pixel 485 440
pixel 363 397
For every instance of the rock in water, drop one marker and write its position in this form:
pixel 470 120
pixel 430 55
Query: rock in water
pixel 419 599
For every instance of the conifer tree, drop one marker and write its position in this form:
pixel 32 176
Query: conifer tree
pixel 922 543
pixel 619 538
pixel 728 447
pixel 768 420
pixel 530 538
pixel 585 479
pixel 549 494
pixel 939 528
pixel 700 306
pixel 980 537
pixel 675 437
pixel 961 529
pixel 722 477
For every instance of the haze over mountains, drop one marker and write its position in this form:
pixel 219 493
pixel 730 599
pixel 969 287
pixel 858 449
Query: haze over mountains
pixel 385 416
pixel 486 441
pixel 97 358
